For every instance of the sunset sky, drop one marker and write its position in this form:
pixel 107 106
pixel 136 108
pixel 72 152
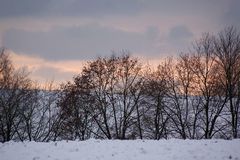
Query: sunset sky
pixel 54 38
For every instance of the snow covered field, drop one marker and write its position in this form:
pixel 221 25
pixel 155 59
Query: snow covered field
pixel 92 149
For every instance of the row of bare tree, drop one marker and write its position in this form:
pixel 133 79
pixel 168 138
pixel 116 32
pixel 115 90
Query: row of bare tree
pixel 194 96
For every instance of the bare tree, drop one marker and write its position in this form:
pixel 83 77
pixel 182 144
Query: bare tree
pixel 208 88
pixel 115 86
pixel 155 92
pixel 15 87
pixel 40 113
pixel 99 76
pixel 183 106
pixel 129 92
pixel 227 50
pixel 74 101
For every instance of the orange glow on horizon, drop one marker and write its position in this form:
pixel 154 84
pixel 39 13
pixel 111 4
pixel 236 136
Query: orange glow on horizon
pixel 64 69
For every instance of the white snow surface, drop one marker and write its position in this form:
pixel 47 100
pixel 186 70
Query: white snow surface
pixel 173 149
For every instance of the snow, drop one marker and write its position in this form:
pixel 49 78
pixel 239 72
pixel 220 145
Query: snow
pixel 173 149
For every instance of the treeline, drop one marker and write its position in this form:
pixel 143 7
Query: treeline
pixel 194 96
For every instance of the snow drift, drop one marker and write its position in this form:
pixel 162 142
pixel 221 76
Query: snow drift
pixel 122 150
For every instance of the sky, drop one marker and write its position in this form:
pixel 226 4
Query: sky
pixel 53 39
